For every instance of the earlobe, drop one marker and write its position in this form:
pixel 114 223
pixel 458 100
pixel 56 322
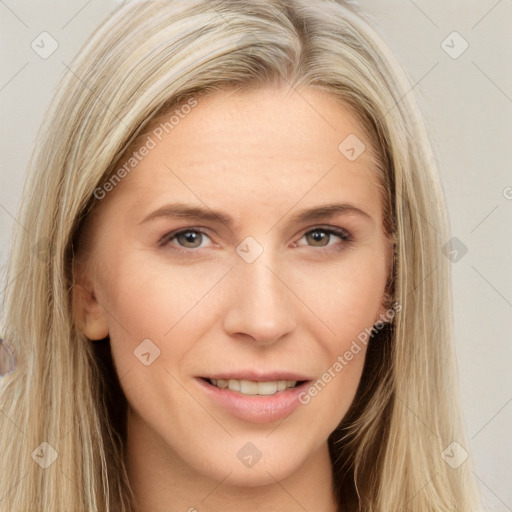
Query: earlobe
pixel 95 326
pixel 90 317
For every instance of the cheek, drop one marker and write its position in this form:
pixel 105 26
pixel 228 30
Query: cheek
pixel 335 389
pixel 157 302
pixel 347 296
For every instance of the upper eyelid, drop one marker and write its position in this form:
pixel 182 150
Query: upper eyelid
pixel 331 229
pixel 342 233
pixel 179 231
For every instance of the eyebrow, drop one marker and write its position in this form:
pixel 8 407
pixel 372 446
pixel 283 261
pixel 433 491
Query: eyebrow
pixel 205 214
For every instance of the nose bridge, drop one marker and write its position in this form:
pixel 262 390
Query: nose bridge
pixel 260 283
pixel 261 305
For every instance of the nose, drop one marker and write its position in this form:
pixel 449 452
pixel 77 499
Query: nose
pixel 261 303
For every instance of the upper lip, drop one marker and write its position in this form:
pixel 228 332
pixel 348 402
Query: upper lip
pixel 257 376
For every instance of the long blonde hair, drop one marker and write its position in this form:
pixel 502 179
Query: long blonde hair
pixel 145 59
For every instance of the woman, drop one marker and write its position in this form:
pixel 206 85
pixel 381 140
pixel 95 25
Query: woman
pixel 232 293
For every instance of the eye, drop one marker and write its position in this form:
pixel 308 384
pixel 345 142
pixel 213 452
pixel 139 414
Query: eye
pixel 186 239
pixel 191 238
pixel 322 237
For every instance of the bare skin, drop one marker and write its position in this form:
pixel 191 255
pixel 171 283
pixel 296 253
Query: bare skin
pixel 261 157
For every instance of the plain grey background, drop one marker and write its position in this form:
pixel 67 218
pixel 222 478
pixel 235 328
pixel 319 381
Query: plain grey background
pixel 466 96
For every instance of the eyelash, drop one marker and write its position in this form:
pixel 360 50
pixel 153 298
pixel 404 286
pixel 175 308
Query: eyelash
pixel 342 234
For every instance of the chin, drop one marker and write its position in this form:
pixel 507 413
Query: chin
pixel 248 466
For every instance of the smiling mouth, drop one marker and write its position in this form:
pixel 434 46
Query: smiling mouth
pixel 252 388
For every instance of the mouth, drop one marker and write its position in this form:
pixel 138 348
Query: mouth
pixel 253 387
pixel 256 398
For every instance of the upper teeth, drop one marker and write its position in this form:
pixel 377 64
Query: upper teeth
pixel 250 387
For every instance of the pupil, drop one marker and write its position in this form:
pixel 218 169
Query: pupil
pixel 190 237
pixel 318 236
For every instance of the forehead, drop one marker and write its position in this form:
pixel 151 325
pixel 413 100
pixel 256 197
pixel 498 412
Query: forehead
pixel 263 148
pixel 278 120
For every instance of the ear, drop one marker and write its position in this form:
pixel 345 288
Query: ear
pixel 386 303
pixel 90 317
pixel 387 296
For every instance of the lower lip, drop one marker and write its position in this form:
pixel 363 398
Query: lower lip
pixel 255 408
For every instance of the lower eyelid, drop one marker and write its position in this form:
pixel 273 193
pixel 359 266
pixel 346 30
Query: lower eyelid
pixel 342 234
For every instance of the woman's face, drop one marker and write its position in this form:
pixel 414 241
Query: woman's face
pixel 246 248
